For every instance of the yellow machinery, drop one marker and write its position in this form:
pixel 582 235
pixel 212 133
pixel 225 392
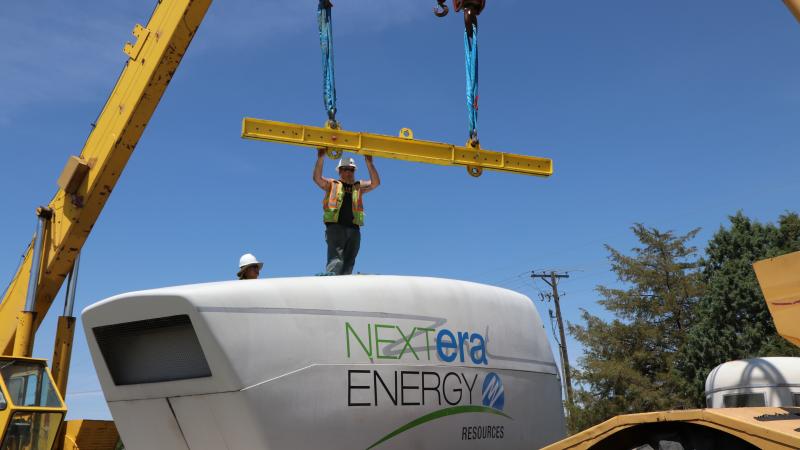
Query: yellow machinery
pixel 32 407
pixel 762 427
pixel 780 281
pixel 65 223
pixel 727 428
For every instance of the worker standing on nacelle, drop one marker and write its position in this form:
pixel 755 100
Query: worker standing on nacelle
pixel 343 211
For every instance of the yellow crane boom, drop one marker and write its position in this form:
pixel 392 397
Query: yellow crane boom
pixel 88 181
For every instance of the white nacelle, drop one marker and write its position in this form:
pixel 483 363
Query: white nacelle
pixel 349 362
pixel 773 381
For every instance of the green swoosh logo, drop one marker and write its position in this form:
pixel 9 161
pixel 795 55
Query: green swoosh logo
pixel 438 415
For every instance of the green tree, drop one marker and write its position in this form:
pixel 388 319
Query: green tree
pixel 628 363
pixel 732 320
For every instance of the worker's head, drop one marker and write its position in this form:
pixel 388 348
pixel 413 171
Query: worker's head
pixel 347 170
pixel 249 267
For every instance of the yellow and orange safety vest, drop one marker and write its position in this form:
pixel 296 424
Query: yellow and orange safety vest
pixel 332 204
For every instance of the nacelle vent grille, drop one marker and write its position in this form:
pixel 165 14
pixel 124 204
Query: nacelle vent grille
pixel 152 351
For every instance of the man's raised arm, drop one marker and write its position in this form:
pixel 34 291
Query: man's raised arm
pixel 320 181
pixel 374 178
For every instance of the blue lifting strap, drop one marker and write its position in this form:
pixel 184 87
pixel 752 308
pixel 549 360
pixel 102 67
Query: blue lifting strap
pixel 471 52
pixel 326 43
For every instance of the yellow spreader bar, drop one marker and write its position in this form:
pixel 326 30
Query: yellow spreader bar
pixel 404 147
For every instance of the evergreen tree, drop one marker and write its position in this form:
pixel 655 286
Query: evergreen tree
pixel 732 320
pixel 628 364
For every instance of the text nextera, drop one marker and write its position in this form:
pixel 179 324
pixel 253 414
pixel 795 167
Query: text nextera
pixel 382 341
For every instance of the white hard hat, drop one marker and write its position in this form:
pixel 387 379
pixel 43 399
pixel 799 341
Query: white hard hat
pixel 346 162
pixel 248 259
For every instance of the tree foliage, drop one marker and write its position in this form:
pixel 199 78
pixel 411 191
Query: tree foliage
pixel 628 362
pixel 732 320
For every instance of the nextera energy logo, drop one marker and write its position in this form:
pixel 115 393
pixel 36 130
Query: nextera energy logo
pixel 457 391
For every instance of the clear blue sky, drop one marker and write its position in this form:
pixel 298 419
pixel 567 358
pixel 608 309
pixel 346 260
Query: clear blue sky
pixel 674 114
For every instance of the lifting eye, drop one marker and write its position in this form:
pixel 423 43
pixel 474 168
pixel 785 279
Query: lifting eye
pixel 475 171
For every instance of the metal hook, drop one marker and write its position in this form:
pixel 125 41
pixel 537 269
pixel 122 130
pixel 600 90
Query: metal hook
pixel 470 21
pixel 472 9
pixel 332 122
pixel 476 5
pixel 441 10
pixel 473 141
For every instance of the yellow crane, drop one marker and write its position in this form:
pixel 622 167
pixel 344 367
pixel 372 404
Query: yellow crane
pixel 33 406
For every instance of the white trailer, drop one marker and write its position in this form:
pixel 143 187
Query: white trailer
pixel 771 381
pixel 350 362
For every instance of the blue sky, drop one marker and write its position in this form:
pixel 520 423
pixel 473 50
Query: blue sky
pixel 673 114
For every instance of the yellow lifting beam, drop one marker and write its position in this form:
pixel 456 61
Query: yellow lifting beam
pixel 404 147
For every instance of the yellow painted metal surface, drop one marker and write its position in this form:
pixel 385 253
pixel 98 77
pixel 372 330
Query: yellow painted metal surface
pixel 780 282
pixel 62 352
pixel 779 279
pixel 133 50
pixel 23 336
pixel 73 175
pixel 794 6
pixel 154 58
pixel 90 435
pixel 739 422
pixel 24 424
pixel 403 147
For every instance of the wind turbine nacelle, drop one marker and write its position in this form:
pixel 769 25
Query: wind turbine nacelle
pixel 349 362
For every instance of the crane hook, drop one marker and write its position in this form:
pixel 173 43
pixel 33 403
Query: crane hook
pixel 476 5
pixel 470 21
pixel 441 10
pixel 472 8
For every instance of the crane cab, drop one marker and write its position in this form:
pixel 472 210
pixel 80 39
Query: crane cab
pixel 31 408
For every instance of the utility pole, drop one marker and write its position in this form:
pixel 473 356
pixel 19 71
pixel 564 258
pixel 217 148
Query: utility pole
pixel 552 280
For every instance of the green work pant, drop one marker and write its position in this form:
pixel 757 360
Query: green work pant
pixel 343 244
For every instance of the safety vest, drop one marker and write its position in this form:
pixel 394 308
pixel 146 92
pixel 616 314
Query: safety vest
pixel 332 203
